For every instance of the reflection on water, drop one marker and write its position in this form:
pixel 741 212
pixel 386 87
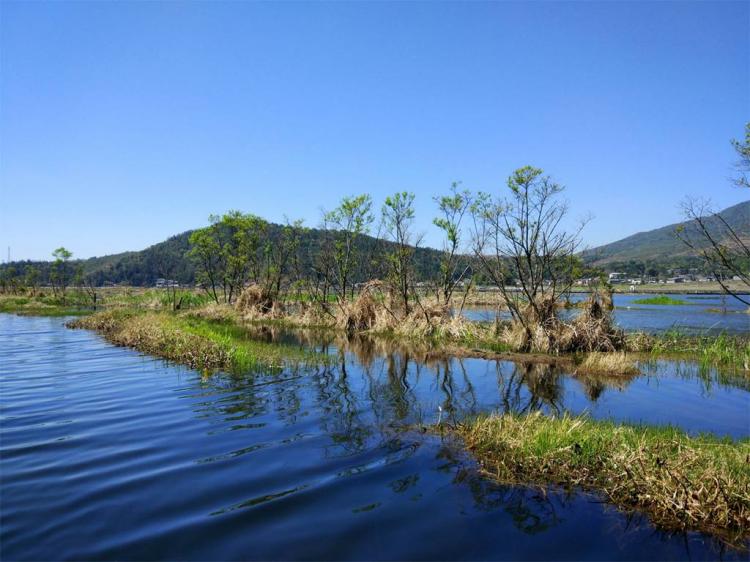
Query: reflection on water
pixel 109 454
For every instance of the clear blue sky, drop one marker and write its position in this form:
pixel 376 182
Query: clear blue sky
pixel 124 123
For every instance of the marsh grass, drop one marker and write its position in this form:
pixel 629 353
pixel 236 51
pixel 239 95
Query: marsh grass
pixel 661 300
pixel 202 344
pixel 683 483
pixel 710 351
pixel 42 305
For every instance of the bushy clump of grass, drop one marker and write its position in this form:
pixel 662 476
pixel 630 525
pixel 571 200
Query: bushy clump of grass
pixel 688 483
pixel 611 363
pixel 193 341
pixel 661 299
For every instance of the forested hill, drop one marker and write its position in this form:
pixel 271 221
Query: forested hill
pixel 658 248
pixel 167 259
pixel 660 245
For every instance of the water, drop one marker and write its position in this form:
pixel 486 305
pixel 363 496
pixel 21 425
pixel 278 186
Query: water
pixel 108 454
pixel 704 314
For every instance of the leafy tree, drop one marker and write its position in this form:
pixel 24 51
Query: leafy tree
pixel 205 251
pixel 8 279
pixel 397 224
pixel 32 279
pixel 519 237
pixel 60 275
pixel 453 265
pixel 240 238
pixel 350 220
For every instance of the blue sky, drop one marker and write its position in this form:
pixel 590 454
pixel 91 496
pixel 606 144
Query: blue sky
pixel 124 123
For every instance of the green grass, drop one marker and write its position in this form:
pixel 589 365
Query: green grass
pixel 198 343
pixel 710 351
pixel 44 306
pixel 683 483
pixel 662 299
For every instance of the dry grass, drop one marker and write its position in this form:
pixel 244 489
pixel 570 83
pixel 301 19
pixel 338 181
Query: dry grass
pixel 612 363
pixel 362 313
pixel 541 330
pixel 683 483
pixel 215 312
pixel 256 302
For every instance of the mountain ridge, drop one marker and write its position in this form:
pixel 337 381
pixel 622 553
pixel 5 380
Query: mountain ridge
pixel 658 247
pixel 662 243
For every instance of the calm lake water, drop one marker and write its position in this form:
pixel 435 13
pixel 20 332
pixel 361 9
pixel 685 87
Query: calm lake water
pixel 703 314
pixel 108 454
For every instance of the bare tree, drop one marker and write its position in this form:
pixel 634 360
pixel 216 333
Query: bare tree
pixel 743 164
pixel 519 240
pixel 723 249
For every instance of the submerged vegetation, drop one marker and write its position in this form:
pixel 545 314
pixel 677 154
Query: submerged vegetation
pixel 684 483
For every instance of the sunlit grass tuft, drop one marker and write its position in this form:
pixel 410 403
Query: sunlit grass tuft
pixel 682 482
pixel 194 341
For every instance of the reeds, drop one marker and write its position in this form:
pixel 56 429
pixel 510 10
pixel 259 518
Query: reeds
pixel 539 329
pixel 711 351
pixel 611 363
pixel 682 482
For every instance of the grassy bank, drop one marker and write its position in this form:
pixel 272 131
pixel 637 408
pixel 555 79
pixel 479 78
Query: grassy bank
pixel 454 336
pixel 199 343
pixel 42 306
pixel 681 482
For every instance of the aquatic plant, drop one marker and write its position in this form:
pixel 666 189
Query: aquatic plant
pixel 662 300
pixel 683 483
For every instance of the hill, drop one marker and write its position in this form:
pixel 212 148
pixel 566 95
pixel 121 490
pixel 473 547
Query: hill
pixel 657 250
pixel 167 259
pixel 660 246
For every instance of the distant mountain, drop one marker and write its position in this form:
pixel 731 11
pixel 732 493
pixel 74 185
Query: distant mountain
pixel 656 249
pixel 660 245
pixel 167 259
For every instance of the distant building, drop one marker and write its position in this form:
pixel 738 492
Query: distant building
pixel 616 277
pixel 162 283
